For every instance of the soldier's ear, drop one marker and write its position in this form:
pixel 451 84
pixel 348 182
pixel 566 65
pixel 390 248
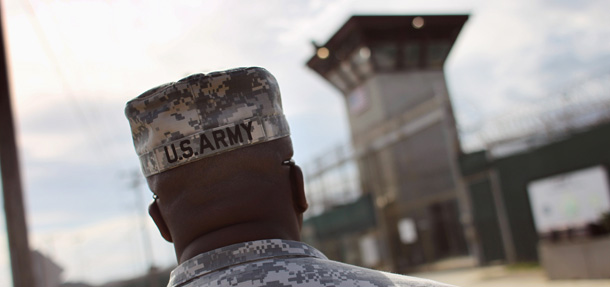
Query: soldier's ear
pixel 298 189
pixel 155 213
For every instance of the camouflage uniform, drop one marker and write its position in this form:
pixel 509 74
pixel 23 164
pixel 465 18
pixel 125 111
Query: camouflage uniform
pixel 275 262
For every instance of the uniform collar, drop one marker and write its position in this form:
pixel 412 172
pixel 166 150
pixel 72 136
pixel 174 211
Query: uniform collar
pixel 239 253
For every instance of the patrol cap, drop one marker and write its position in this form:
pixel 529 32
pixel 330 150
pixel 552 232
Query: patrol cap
pixel 205 115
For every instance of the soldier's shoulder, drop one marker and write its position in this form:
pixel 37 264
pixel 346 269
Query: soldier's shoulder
pixel 381 278
pixel 303 272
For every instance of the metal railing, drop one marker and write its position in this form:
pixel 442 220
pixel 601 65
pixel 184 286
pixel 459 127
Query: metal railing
pixel 584 105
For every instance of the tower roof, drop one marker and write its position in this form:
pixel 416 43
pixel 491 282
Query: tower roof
pixel 367 44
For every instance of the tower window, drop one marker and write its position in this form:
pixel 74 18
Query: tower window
pixel 437 52
pixel 384 56
pixel 411 55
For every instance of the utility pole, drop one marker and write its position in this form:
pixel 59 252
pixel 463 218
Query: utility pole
pixel 21 261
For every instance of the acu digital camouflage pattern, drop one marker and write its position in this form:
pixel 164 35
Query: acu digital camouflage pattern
pixel 276 262
pixel 204 115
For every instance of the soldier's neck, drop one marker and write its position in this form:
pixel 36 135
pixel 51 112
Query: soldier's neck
pixel 237 233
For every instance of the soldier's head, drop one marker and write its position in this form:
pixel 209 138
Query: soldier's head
pixel 216 152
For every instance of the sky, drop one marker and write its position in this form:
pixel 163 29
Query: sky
pixel 74 64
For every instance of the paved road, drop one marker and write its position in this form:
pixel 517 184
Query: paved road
pixel 500 276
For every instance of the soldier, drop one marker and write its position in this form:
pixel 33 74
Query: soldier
pixel 216 153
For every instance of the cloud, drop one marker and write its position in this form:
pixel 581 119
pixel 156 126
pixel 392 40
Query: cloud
pixel 510 54
pixel 56 127
pixel 104 250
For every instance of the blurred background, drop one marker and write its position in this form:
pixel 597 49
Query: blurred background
pixel 434 135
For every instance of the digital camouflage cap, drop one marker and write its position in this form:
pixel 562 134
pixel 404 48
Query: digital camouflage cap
pixel 204 115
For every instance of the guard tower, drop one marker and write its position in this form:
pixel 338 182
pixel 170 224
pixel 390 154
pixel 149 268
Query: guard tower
pixel 389 69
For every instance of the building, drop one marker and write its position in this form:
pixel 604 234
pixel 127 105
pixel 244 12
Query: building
pixel 538 191
pixel 405 195
pixel 46 271
pixel 405 210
